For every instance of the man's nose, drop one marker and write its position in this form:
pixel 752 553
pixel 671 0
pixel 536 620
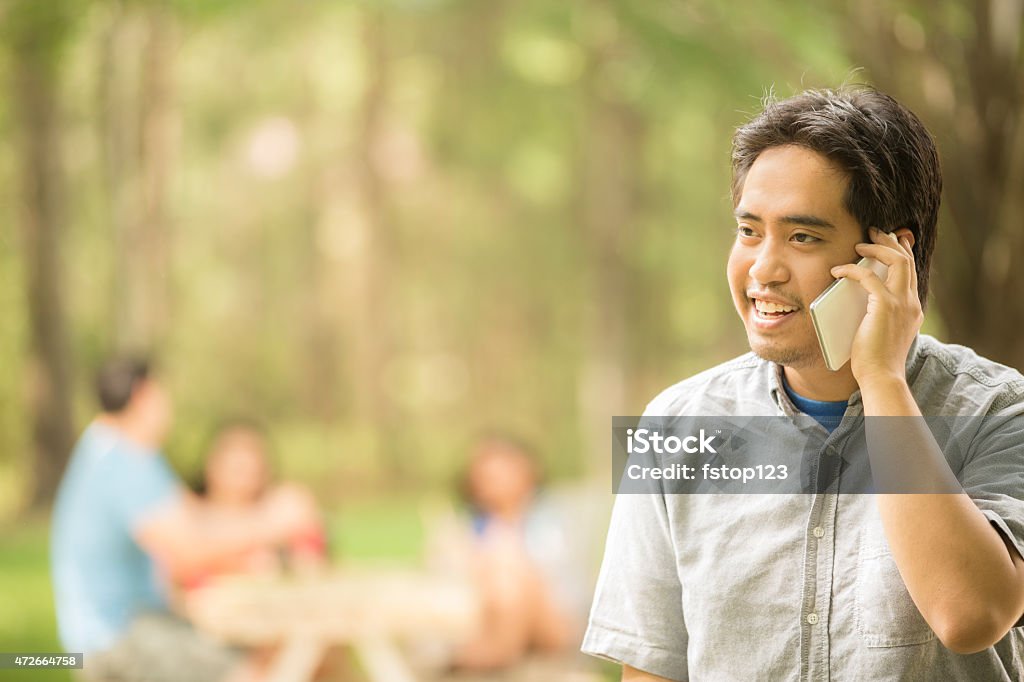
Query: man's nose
pixel 770 265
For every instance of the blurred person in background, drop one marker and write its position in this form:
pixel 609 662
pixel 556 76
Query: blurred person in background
pixel 515 556
pixel 237 477
pixel 120 512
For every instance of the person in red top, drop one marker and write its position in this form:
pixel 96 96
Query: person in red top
pixel 237 476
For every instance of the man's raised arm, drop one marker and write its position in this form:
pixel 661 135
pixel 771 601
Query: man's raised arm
pixel 965 577
pixel 184 538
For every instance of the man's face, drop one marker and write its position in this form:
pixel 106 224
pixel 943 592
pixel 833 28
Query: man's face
pixel 153 406
pixel 792 228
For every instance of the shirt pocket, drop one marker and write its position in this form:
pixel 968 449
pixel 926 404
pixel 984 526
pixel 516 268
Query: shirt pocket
pixel 886 615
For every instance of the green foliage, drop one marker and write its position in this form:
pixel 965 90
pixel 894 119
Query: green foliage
pixel 41 30
pixel 483 136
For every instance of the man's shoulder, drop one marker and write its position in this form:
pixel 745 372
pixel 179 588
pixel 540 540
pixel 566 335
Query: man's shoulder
pixel 722 387
pixel 961 378
pixel 105 464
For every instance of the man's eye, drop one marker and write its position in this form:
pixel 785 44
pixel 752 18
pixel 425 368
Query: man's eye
pixel 745 231
pixel 808 238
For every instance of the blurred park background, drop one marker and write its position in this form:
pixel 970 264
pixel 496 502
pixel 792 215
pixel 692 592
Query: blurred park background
pixel 381 227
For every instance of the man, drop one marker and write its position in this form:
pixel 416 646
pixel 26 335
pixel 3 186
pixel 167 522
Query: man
pixel 831 586
pixel 121 519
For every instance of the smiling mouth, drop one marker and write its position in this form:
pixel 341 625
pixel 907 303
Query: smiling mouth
pixel 771 311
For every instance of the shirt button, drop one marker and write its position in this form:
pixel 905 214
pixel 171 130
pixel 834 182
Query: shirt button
pixel 819 532
pixel 812 618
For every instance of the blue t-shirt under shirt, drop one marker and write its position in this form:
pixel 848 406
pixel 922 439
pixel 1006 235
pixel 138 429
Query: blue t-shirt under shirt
pixel 827 413
pixel 101 577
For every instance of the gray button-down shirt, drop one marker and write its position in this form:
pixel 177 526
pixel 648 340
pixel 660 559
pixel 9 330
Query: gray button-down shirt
pixel 791 586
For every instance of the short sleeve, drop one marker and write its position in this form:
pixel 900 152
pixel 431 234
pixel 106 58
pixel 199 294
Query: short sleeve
pixel 637 615
pixel 993 475
pixel 142 483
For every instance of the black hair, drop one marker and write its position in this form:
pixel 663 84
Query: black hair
pixel 886 152
pixel 117 380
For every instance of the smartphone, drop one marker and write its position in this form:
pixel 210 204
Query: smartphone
pixel 837 313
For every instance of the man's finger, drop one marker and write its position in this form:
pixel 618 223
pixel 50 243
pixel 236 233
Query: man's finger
pixel 905 243
pixel 902 245
pixel 862 276
pixel 895 259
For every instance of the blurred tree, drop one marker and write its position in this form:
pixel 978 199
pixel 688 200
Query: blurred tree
pixel 611 176
pixel 960 66
pixel 137 125
pixel 37 34
pixel 397 222
pixel 377 312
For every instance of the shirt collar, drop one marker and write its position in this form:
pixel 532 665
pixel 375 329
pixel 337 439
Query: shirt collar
pixel 782 401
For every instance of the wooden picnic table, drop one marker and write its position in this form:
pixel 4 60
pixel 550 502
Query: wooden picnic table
pixel 371 609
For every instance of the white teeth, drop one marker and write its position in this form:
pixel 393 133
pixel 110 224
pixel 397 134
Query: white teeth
pixel 766 307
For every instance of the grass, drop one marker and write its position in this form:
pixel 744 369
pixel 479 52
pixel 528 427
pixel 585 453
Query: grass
pixel 377 528
pixel 27 622
pixel 374 529
pixel 388 529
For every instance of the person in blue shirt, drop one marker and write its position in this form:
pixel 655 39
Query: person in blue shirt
pixel 122 519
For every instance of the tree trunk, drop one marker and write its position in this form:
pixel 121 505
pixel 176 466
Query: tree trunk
pixel 35 45
pixel 137 129
pixel 376 314
pixel 610 172
pixel 322 284
pixel 157 131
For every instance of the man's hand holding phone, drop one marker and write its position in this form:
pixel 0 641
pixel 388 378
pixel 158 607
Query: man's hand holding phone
pixel 894 314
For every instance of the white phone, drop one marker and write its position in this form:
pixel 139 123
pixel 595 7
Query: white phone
pixel 837 313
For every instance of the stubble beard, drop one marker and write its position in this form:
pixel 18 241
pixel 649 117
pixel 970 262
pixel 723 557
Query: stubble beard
pixel 787 356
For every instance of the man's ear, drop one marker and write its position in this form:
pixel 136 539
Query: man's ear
pixel 905 232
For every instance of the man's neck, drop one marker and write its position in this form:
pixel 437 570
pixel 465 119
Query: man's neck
pixel 128 429
pixel 820 383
